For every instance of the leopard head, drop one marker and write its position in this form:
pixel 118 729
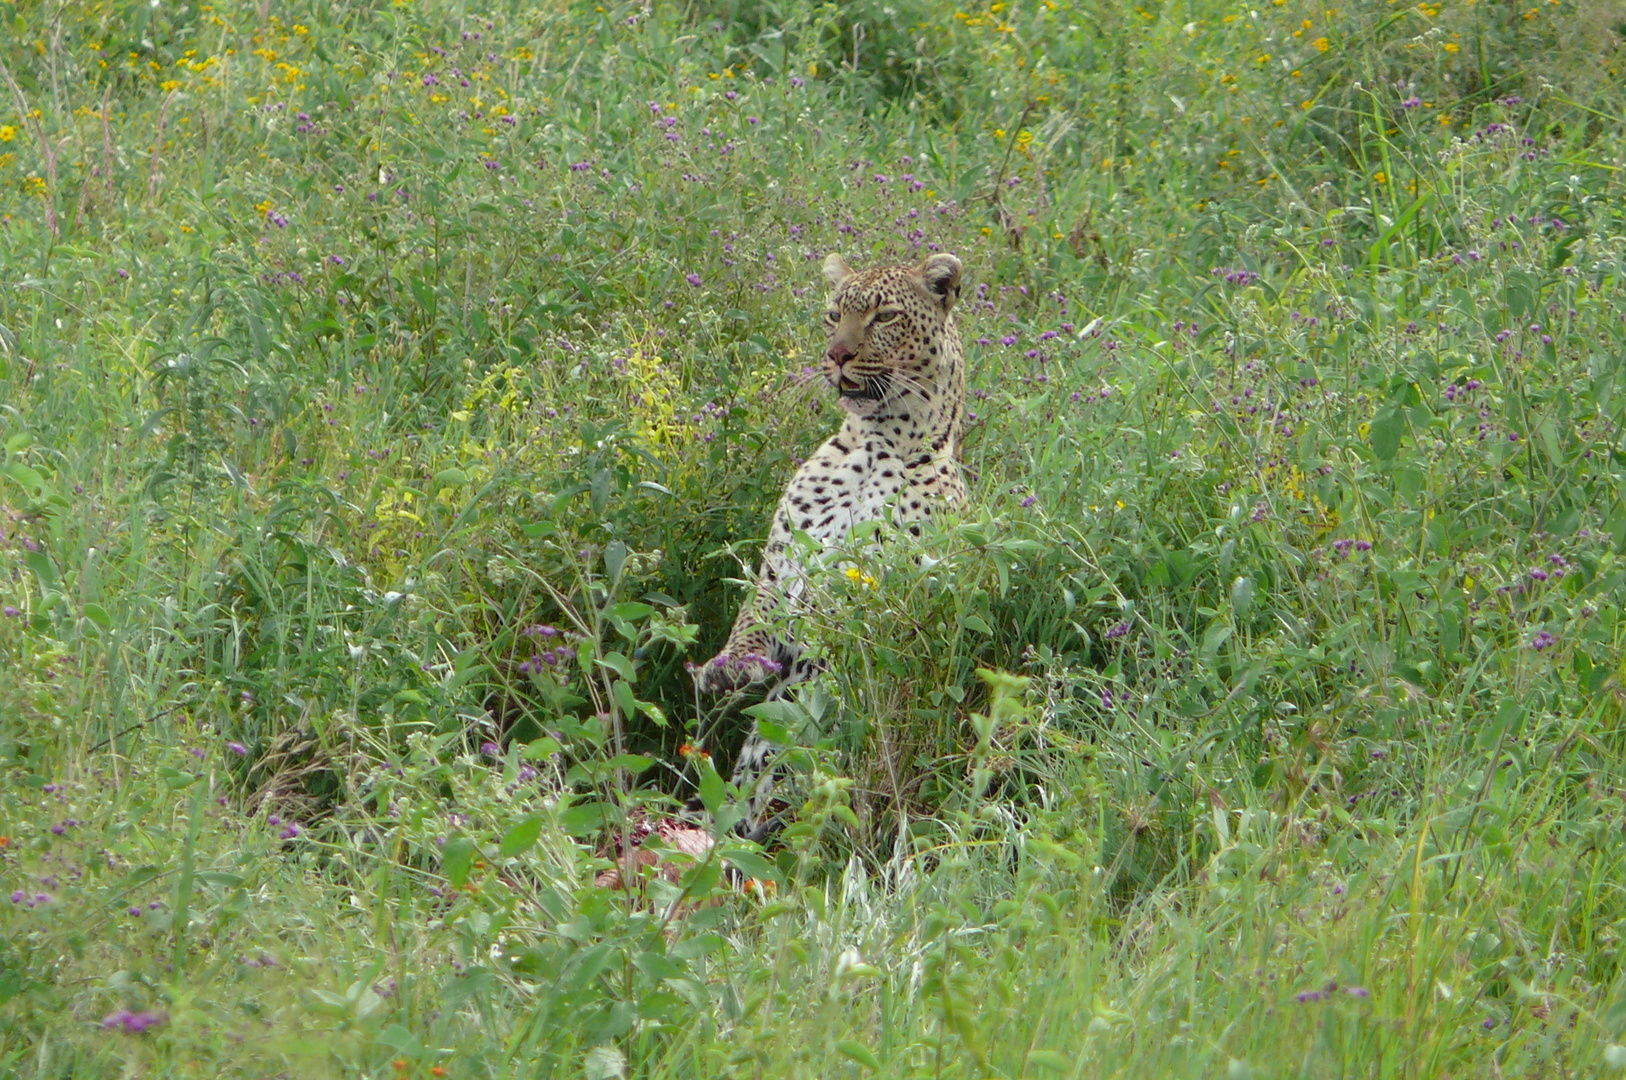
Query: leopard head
pixel 886 329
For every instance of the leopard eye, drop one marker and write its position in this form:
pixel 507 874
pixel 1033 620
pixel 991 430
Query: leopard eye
pixel 889 315
pixel 832 317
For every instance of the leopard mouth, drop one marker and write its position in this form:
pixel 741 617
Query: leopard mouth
pixel 862 389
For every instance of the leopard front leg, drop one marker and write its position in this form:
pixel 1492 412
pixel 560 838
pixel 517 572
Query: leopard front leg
pixel 759 647
pixel 754 654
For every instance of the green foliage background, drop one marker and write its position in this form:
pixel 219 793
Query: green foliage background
pixel 392 393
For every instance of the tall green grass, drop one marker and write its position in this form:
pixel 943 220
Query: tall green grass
pixel 393 396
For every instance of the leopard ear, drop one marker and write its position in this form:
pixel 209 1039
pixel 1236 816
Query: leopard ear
pixel 940 274
pixel 836 270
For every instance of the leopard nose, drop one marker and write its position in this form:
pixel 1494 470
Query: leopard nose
pixel 839 353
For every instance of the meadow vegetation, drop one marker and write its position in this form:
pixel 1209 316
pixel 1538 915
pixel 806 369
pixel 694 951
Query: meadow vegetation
pixel 392 393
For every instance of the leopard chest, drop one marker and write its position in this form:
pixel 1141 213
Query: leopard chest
pixel 843 484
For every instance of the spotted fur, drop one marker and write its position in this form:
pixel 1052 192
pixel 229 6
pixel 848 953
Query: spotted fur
pixel 894 359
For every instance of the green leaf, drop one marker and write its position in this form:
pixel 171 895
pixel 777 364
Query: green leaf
pixel 521 838
pixel 400 1040
pixel 456 858
pixel 175 779
pixel 774 733
pixel 1386 431
pixel 1508 722
pixel 1217 634
pixel 37 562
pixel 620 665
pixel 1547 432
pixel 711 788
pixel 1050 1061
pixel 615 559
pixel 26 478
pixel 582 819
pixel 537 749
pixel 1522 293
pixel 632 611
pixel 451 478
pixel 623 697
pixel 463 675
pixel 1241 596
pixel 787 714
pixel 657 966
pixel 977 623
pixel 98 615
pixel 860 1053
pixel 753 865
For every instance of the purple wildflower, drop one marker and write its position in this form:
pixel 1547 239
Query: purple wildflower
pixel 133 1022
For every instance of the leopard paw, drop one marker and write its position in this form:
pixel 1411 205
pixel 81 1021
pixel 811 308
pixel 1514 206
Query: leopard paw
pixel 724 673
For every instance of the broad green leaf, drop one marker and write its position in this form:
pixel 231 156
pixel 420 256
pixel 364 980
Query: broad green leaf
pixel 753 865
pixel 456 858
pixel 619 664
pixel 28 479
pixel 520 838
pixel 1050 1061
pixel 860 1053
pixel 98 615
pixel 401 1041
pixel 1386 431
pixel 537 749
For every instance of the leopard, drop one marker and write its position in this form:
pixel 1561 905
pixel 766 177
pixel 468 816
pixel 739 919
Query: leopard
pixel 894 361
